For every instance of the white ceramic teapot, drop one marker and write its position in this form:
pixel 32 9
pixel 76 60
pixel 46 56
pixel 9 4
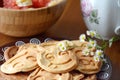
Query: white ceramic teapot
pixel 102 16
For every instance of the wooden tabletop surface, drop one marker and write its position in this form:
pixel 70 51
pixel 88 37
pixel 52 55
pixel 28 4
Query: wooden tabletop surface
pixel 70 26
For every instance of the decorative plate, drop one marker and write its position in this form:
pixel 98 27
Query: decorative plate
pixel 104 74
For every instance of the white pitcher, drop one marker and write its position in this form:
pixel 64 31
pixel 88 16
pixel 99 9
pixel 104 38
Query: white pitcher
pixel 102 16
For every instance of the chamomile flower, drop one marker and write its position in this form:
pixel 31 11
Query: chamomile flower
pixel 99 53
pixel 86 52
pixel 93 43
pixel 61 46
pixel 65 45
pixel 82 37
pixel 91 33
pixel 69 43
pixel 89 46
pixel 96 58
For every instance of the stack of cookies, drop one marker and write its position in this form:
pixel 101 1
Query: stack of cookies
pixel 54 60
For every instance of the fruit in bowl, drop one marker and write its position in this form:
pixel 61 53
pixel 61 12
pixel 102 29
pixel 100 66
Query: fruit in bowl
pixel 32 18
pixel 23 4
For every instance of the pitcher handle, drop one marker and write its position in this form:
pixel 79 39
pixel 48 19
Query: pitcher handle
pixel 117 30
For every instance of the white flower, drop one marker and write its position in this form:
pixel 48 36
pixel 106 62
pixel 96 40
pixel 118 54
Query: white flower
pixel 91 33
pixel 61 46
pixel 68 43
pixel 65 45
pixel 88 33
pixel 96 58
pixel 82 37
pixel 93 43
pixel 99 53
pixel 89 46
pixel 86 52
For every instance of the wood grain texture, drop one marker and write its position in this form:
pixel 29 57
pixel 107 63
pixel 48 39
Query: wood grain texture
pixel 27 22
pixel 70 26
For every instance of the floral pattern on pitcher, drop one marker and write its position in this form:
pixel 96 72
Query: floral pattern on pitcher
pixel 93 18
pixel 86 7
pixel 89 12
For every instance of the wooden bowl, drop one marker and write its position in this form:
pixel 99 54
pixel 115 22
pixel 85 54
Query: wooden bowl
pixel 28 22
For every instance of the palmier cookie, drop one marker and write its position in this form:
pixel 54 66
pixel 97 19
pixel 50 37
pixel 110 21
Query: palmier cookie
pixel 55 61
pixel 87 64
pixel 40 74
pixel 10 52
pixel 23 61
pixel 76 75
pixel 28 46
pixel 18 76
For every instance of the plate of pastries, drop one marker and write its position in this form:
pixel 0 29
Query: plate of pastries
pixel 53 59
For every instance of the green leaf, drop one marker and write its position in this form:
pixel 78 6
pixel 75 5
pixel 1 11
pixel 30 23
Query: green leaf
pixel 94 13
pixel 91 20
pixel 99 47
pixel 104 44
pixel 113 39
pixel 88 38
pixel 98 36
pixel 96 21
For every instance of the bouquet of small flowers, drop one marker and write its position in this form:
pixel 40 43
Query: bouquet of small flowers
pixel 90 37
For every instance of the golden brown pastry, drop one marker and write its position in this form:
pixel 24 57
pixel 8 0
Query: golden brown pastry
pixel 76 75
pixel 10 52
pixel 87 64
pixel 17 76
pixel 40 74
pixel 23 61
pixel 55 61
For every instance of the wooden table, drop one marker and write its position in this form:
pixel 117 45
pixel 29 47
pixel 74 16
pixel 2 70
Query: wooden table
pixel 70 26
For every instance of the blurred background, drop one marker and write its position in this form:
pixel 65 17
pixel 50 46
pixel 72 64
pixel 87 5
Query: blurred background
pixel 71 22
pixel 71 18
